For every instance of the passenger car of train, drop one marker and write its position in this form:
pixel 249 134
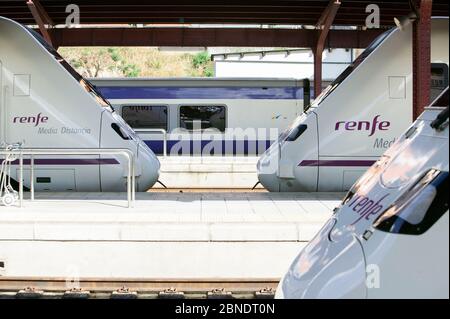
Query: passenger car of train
pixel 356 118
pixel 390 236
pixel 207 116
pixel 44 103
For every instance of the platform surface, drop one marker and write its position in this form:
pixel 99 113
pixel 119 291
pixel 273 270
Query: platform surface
pixel 169 217
pixel 166 235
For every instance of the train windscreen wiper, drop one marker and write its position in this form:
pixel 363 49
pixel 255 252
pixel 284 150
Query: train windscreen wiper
pixel 440 119
pixel 441 101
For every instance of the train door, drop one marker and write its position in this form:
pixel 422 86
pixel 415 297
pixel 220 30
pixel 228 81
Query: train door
pixel 116 135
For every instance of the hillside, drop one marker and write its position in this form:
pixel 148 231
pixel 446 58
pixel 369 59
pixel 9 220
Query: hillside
pixel 137 62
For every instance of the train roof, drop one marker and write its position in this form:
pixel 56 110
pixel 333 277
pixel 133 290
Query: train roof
pixel 198 82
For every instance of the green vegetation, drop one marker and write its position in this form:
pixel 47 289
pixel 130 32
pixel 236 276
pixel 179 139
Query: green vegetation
pixel 137 62
pixel 202 62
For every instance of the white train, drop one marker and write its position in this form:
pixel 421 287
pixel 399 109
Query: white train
pixel 44 103
pixel 390 236
pixel 207 116
pixel 356 119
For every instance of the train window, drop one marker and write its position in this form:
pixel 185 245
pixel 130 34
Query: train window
pixel 120 131
pixel 296 132
pixel 146 117
pixel 197 118
pixel 439 79
pixel 420 208
pixel 442 100
pixel 43 180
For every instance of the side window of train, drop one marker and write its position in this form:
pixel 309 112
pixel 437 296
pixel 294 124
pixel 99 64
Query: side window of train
pixel 296 132
pixel 203 117
pixel 146 116
pixel 120 131
pixel 439 79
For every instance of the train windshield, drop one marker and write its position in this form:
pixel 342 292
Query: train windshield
pixel 349 70
pixel 419 208
pixel 83 82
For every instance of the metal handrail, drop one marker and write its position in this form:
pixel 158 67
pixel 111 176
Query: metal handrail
pixel 155 130
pixel 131 176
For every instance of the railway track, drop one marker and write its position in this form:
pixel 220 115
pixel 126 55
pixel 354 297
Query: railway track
pixel 13 287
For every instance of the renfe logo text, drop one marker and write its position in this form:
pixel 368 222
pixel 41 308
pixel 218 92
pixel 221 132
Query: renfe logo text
pixel 36 120
pixel 365 207
pixel 371 127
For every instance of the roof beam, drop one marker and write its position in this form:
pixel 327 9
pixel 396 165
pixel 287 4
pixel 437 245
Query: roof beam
pixel 42 19
pixel 44 13
pixel 210 37
pixel 298 12
pixel 326 13
pixel 324 24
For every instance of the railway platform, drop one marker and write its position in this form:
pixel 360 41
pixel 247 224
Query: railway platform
pixel 246 235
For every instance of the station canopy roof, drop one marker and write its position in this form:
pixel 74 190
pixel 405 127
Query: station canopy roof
pixel 208 23
pixel 298 12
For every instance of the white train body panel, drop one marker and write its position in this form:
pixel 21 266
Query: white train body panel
pixel 44 106
pixel 390 236
pixel 356 119
pixel 255 111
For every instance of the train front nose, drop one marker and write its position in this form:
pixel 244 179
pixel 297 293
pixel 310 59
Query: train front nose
pixel 267 169
pixel 150 167
pixel 326 270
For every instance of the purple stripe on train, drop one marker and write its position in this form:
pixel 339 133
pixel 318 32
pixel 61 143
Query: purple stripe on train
pixel 70 161
pixel 337 163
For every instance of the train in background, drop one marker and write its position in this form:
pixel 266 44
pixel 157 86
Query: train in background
pixel 356 118
pixel 207 116
pixel 44 103
pixel 389 238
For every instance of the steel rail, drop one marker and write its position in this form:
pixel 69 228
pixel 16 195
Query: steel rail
pixel 138 285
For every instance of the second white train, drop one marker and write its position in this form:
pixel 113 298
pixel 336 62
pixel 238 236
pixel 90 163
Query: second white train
pixel 356 119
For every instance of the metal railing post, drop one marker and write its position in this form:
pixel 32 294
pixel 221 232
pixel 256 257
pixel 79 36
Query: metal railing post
pixel 21 179
pixel 129 196
pixel 162 131
pixel 165 143
pixel 32 177
pixel 133 176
